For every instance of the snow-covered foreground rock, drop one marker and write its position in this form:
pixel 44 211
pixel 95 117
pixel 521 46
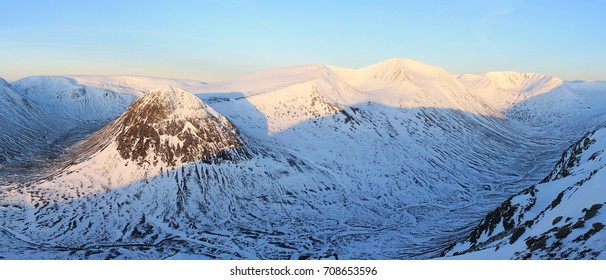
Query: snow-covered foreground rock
pixel 396 160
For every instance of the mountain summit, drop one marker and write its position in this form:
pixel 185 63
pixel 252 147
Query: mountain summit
pixel 173 126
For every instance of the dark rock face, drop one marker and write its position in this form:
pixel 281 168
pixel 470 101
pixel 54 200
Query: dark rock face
pixel 172 126
pixel 570 159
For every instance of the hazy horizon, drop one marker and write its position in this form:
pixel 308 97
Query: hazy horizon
pixel 215 41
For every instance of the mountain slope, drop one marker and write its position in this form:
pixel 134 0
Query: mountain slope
pixel 43 115
pixel 27 130
pixel 63 101
pixel 15 121
pixel 573 108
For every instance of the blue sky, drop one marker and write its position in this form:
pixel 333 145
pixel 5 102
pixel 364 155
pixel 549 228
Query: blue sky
pixel 219 40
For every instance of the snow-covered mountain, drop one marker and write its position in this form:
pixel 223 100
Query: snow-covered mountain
pixel 559 218
pixel 162 130
pixel 44 114
pixel 395 160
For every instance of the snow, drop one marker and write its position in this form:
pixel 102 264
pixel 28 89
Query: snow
pixel 396 160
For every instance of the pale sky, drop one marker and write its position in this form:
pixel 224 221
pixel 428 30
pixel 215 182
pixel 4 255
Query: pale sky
pixel 219 40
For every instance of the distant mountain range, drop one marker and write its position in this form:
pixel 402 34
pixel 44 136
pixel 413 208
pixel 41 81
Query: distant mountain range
pixel 397 160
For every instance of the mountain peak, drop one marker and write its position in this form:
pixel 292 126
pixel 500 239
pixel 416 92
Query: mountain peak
pixel 401 69
pixel 173 126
